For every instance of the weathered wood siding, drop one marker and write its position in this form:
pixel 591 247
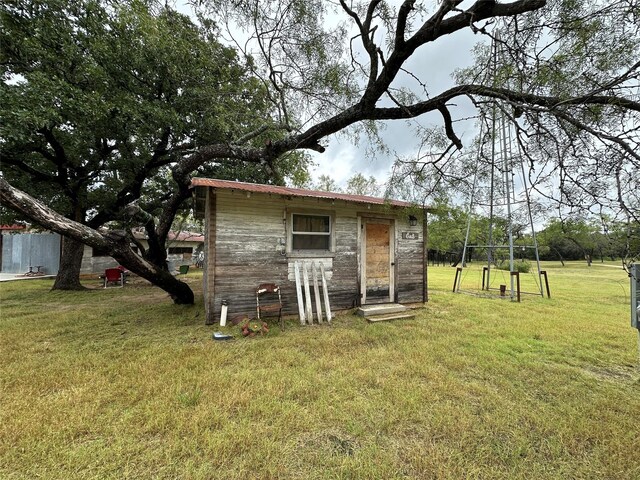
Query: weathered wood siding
pixel 209 275
pixel 248 232
pixel 410 268
pixel 248 229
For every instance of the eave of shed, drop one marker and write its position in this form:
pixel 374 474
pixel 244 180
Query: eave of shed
pixel 294 192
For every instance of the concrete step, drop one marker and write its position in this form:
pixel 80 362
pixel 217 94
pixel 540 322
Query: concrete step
pixel 380 309
pixel 392 316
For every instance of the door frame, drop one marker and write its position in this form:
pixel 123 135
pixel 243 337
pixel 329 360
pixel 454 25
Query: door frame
pixel 364 220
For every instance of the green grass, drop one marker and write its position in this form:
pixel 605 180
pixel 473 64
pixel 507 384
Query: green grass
pixel 120 383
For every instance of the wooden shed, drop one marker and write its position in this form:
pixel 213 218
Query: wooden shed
pixel 372 250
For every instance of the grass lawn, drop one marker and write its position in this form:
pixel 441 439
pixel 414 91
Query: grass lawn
pixel 123 384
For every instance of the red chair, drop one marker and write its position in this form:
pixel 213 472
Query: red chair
pixel 125 273
pixel 114 276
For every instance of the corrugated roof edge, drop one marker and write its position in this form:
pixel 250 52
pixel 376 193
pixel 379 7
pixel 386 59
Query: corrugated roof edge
pixel 296 192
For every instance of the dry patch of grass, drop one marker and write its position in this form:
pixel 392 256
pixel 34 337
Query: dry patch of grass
pixel 123 384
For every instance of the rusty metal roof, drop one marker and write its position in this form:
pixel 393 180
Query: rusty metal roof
pixel 15 226
pixel 294 192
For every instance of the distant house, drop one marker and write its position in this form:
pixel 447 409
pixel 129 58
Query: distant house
pixel 372 250
pixel 13 228
pixel 182 246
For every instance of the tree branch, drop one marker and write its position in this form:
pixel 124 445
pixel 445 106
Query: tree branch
pixel 38 211
pixel 366 34
pixel 61 157
pixel 116 243
pixel 401 23
pixel 448 127
pixel 33 173
pixel 435 28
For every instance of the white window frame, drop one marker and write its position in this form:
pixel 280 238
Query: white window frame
pixel 328 234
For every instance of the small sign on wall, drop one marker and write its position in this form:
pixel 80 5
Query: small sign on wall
pixel 410 236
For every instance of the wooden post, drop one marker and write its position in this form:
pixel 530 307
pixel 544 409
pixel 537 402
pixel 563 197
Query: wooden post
pixel 517 275
pixel 316 291
pixel 484 272
pixel 546 282
pixel 455 280
pixel 327 307
pixel 296 271
pixel 308 311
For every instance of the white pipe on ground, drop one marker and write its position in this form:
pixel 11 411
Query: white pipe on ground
pixel 223 314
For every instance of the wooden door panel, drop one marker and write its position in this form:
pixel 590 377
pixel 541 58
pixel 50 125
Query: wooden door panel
pixel 377 262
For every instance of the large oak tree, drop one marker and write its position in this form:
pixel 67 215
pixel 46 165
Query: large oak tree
pixel 98 102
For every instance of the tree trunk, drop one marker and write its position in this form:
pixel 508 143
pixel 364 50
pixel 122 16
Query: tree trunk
pixel 68 277
pixel 559 255
pixel 179 291
pixel 156 253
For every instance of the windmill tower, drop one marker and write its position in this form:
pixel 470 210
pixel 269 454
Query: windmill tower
pixel 501 193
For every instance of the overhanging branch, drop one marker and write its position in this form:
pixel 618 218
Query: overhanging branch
pixel 448 126
pixel 38 211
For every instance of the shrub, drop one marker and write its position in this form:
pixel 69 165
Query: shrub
pixel 522 266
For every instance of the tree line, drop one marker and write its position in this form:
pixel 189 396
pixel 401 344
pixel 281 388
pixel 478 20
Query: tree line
pixel 581 238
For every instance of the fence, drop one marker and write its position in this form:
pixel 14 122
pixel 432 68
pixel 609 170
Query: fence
pixel 22 251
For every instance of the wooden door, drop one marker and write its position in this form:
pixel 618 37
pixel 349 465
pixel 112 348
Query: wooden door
pixel 378 262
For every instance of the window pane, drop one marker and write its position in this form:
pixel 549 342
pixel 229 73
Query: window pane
pixel 100 252
pixel 311 223
pixel 311 242
pixel 175 250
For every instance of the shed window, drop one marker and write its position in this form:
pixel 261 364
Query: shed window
pixel 311 232
pixel 99 252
